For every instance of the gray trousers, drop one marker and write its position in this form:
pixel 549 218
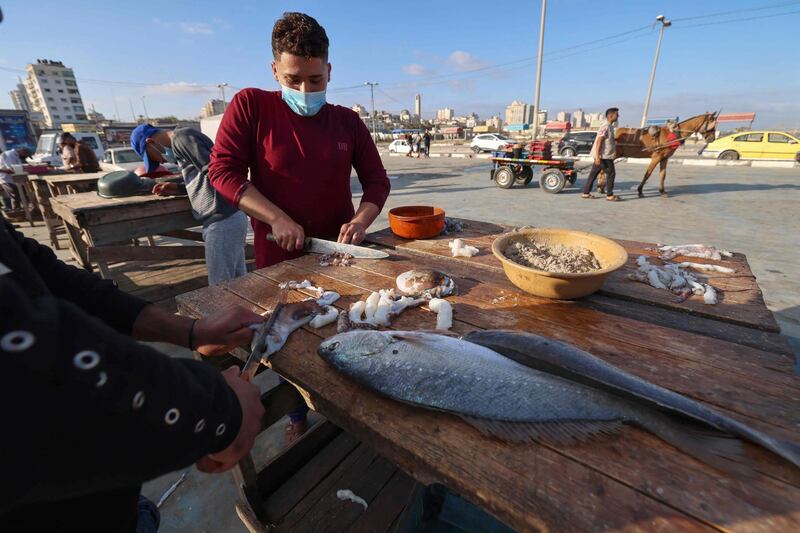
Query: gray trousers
pixel 225 241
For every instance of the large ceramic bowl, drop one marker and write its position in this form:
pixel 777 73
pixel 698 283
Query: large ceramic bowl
pixel 562 286
pixel 416 221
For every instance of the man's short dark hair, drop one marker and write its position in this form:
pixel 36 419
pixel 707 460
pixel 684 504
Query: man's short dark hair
pixel 299 35
pixel 611 110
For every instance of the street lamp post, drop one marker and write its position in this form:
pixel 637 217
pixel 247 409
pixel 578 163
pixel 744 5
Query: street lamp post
pixel 222 92
pixel 539 73
pixel 664 24
pixel 372 96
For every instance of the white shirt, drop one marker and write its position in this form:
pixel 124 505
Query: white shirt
pixel 8 158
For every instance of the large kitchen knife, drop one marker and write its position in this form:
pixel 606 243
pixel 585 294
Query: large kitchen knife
pixel 321 246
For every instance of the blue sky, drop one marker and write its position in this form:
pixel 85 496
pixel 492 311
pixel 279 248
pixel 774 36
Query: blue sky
pixel 174 53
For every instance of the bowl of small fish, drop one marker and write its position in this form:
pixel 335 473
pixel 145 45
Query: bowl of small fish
pixel 416 221
pixel 558 263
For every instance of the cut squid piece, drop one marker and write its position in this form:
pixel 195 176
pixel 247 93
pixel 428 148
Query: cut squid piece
pixel 706 267
pixel 305 284
pixel 710 295
pixel 444 313
pixel 371 305
pixel 329 316
pixel 328 298
pixel 460 249
pixel 357 310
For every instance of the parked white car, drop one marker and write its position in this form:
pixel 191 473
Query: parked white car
pixel 489 142
pixel 121 159
pixel 399 146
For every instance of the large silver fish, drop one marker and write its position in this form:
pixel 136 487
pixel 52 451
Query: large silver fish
pixel 563 400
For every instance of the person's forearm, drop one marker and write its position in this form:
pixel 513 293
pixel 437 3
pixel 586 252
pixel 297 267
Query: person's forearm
pixel 257 206
pixel 155 324
pixel 366 214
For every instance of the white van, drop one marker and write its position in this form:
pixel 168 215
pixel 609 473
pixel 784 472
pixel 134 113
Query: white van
pixel 48 149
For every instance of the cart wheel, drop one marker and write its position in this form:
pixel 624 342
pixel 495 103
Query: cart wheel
pixel 525 175
pixel 552 181
pixel 504 177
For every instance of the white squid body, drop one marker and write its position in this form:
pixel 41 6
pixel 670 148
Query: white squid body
pixel 380 307
pixel 444 313
pixel 319 321
pixel 459 249
pixel 673 278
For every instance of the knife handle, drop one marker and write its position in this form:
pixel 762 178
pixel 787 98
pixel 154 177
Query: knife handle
pixel 271 237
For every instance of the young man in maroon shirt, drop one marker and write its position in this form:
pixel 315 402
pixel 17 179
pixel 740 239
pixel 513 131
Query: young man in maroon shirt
pixel 299 152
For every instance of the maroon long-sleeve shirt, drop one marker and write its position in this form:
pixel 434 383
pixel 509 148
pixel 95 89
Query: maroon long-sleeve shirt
pixel 301 164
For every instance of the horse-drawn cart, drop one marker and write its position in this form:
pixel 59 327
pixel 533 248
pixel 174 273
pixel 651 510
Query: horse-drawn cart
pixel 556 173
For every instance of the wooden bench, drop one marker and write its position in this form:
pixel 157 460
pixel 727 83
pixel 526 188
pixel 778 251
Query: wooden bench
pixel 297 489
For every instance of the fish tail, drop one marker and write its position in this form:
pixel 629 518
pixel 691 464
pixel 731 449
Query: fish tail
pixel 722 451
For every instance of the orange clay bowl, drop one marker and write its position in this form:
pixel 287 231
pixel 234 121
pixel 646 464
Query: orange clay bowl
pixel 416 221
pixel 561 286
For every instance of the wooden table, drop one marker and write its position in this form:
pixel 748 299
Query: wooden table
pixel 101 230
pixel 45 186
pixel 26 196
pixel 728 356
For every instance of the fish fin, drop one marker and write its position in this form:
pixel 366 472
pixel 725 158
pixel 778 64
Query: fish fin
pixel 722 451
pixel 556 432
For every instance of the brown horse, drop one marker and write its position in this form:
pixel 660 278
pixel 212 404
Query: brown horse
pixel 654 143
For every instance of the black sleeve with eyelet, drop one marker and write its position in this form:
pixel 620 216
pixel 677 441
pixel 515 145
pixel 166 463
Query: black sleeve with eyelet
pixel 87 409
pixel 96 296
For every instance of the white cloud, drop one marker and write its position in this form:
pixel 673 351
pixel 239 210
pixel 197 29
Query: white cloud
pixel 196 28
pixel 181 87
pixel 463 61
pixel 415 69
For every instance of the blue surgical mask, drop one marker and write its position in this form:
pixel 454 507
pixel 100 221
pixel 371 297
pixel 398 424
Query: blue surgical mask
pixel 166 151
pixel 304 104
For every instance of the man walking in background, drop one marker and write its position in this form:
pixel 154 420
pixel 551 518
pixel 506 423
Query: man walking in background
pixel 604 152
pixel 426 141
pixel 224 226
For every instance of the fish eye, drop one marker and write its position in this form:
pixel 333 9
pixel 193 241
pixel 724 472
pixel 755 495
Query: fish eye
pixel 333 346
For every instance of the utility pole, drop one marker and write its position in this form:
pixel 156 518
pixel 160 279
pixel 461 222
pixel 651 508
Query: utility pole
pixel 664 24
pixel 133 113
pixel 146 116
pixel 222 92
pixel 372 95
pixel 539 73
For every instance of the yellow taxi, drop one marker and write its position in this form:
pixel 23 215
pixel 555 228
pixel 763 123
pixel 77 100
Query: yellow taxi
pixel 755 145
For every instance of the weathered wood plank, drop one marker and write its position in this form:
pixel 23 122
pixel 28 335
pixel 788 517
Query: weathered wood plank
pixel 144 253
pixel 143 226
pixel 385 509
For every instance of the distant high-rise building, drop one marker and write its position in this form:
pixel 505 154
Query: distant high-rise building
pixel 418 106
pixel 563 116
pixel 212 108
pixel 542 117
pixel 19 98
pixel 495 123
pixel 445 114
pixel 361 110
pixel 578 119
pixel 52 90
pixel 519 113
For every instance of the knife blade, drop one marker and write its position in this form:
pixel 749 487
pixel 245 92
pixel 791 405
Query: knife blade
pixel 260 338
pixel 321 246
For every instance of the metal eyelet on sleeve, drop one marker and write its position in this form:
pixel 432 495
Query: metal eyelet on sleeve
pixel 101 380
pixel 138 400
pixel 201 424
pixel 172 416
pixel 220 429
pixel 17 341
pixel 86 360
